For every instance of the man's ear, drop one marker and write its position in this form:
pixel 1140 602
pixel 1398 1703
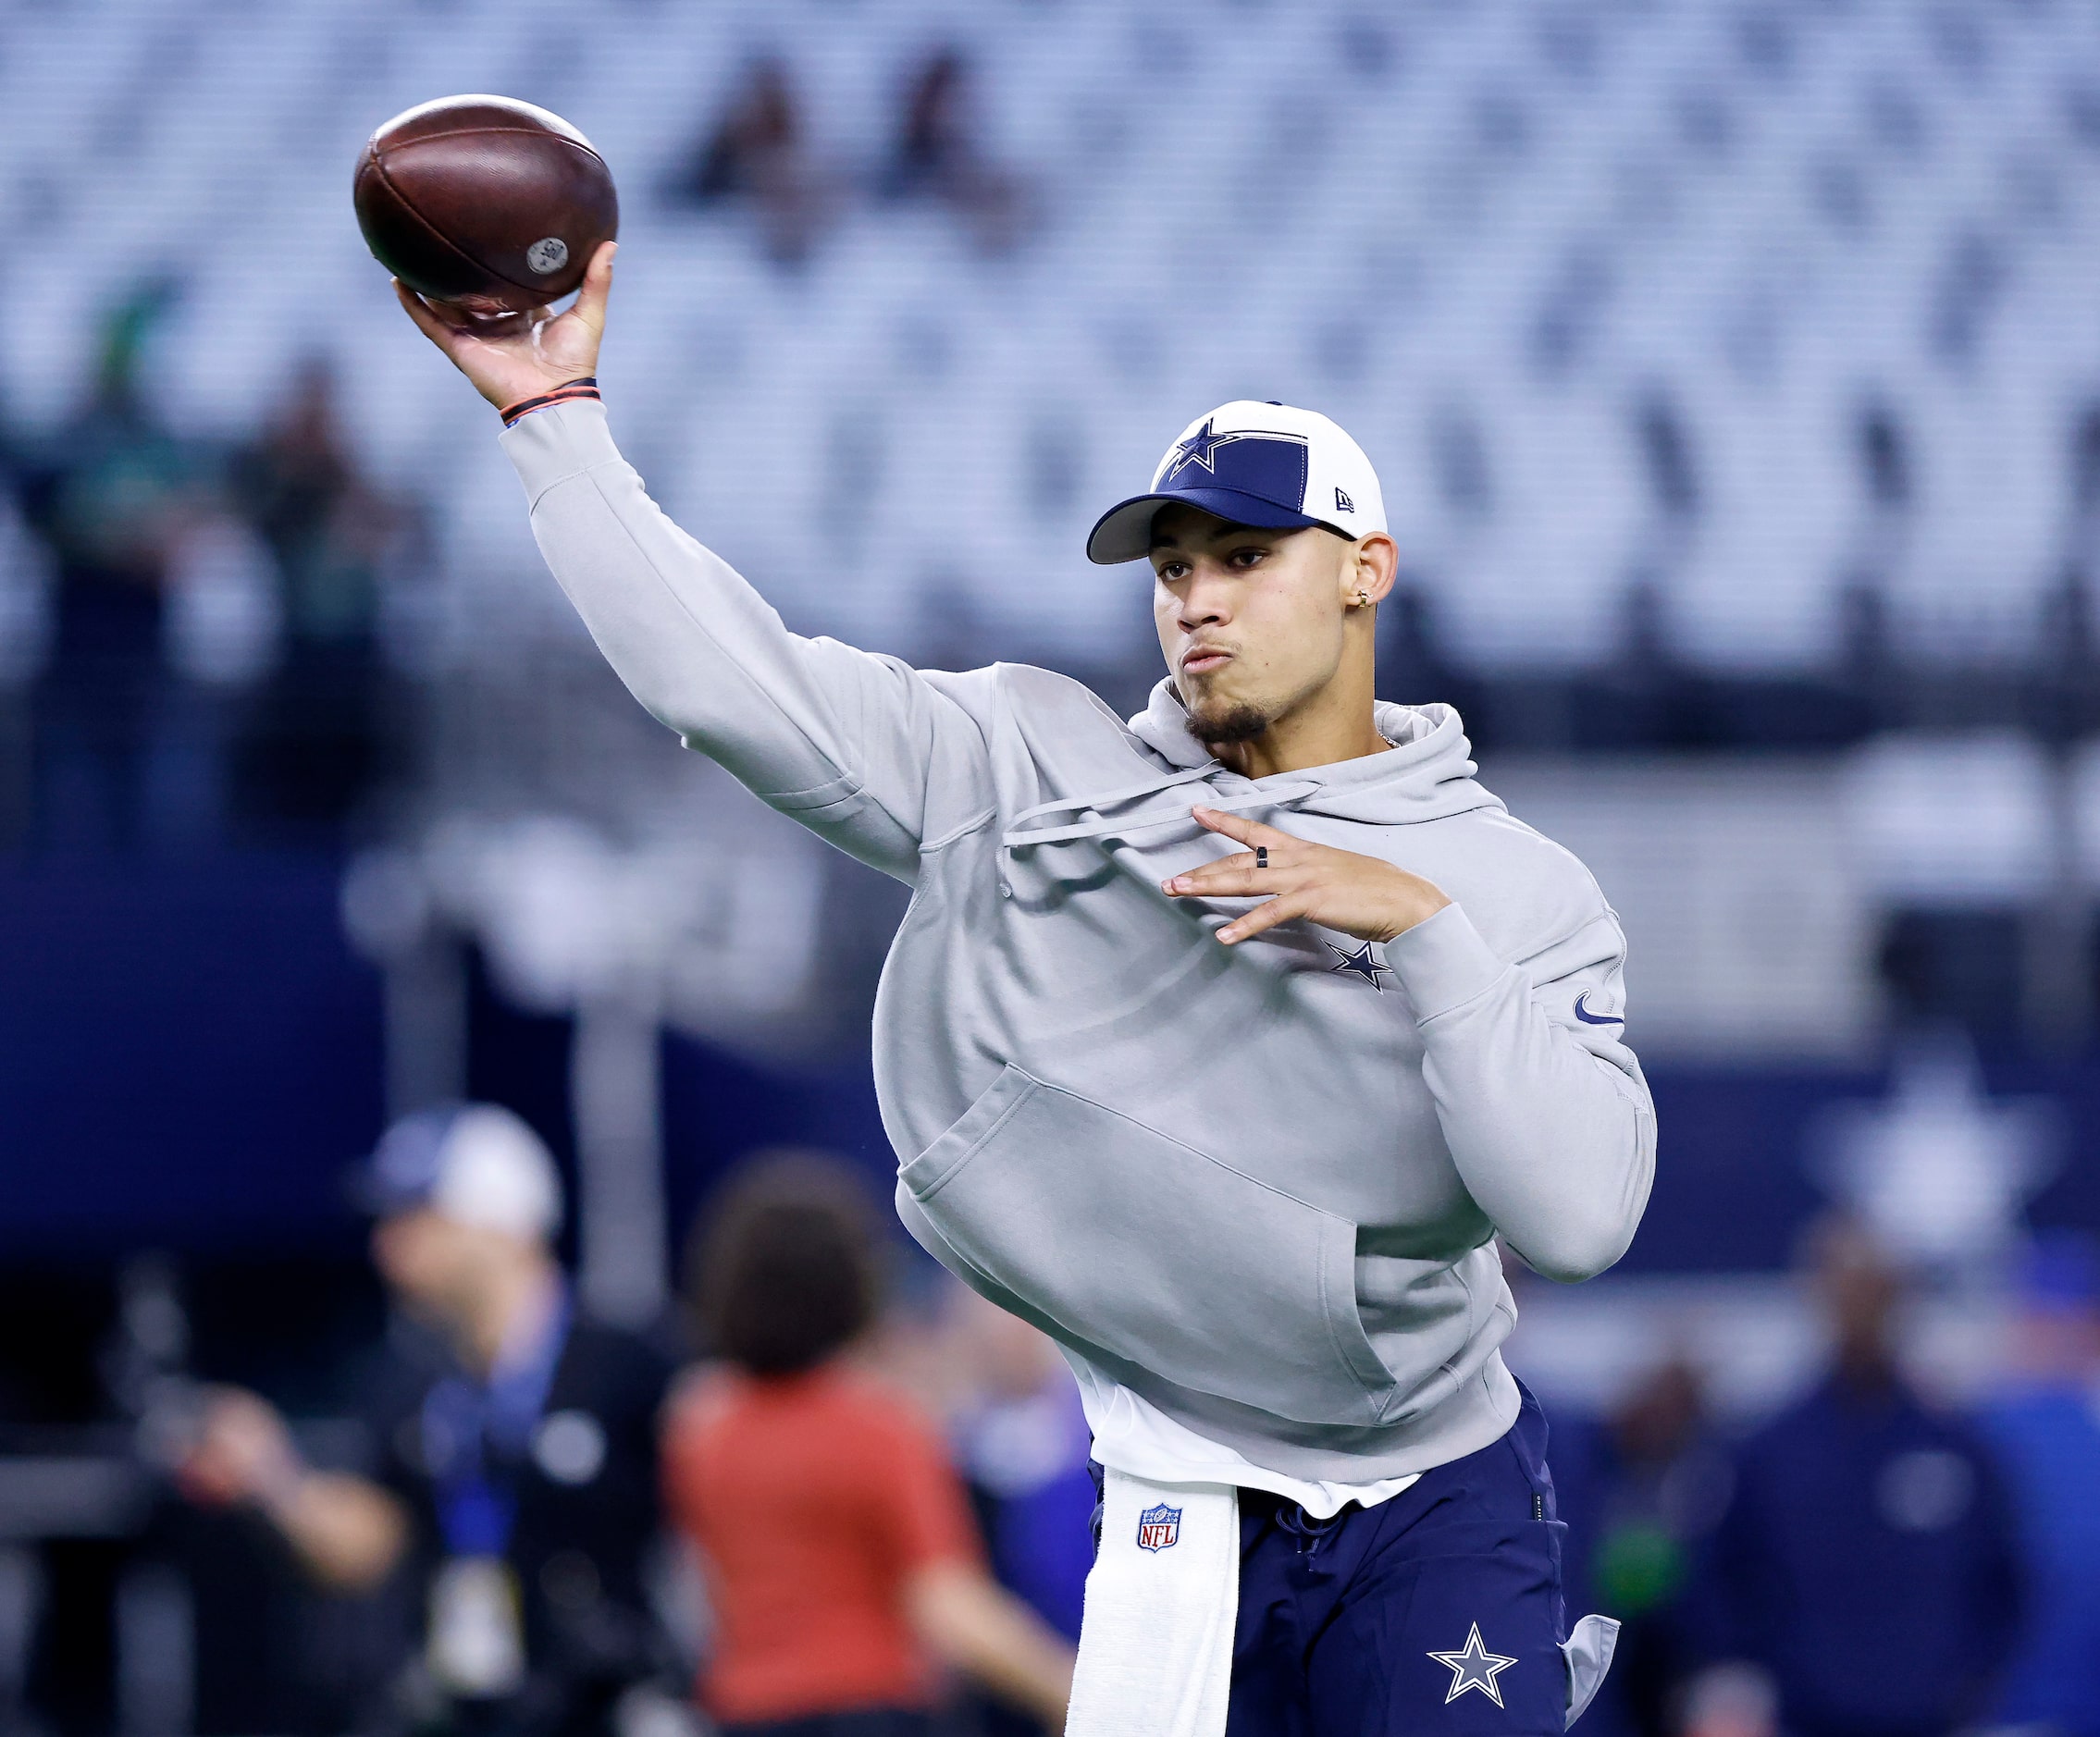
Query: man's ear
pixel 1373 565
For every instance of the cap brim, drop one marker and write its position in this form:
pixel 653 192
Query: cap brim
pixel 1124 532
pixel 367 1190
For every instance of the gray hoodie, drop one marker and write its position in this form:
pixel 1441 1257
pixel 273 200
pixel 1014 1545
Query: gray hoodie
pixel 1258 1185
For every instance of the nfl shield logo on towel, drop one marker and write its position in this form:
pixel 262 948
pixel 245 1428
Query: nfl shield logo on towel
pixel 1159 1528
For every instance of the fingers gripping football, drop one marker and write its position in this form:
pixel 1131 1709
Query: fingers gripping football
pixel 1336 888
pixel 514 359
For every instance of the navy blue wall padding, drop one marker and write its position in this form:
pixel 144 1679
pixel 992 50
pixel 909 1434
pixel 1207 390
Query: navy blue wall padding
pixel 189 1054
pixel 190 1057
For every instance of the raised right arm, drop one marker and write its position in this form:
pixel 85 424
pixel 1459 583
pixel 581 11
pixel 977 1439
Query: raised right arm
pixel 857 748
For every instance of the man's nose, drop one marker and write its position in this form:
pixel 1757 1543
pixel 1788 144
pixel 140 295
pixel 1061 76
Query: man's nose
pixel 1205 603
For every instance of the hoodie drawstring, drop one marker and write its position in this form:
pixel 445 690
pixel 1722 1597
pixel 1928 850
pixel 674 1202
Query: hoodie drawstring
pixel 1310 1533
pixel 1129 793
pixel 1020 838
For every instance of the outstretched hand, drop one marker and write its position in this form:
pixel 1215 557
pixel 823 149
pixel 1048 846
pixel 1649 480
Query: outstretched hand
pixel 1336 888
pixel 514 360
pixel 242 1451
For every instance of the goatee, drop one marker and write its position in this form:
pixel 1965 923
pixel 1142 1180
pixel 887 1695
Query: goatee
pixel 1223 726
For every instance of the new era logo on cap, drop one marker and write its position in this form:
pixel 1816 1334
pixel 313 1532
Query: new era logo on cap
pixel 1266 464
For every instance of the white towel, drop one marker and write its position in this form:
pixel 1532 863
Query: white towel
pixel 1155 1643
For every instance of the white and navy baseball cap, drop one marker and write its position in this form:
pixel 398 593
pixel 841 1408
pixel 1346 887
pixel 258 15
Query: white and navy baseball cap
pixel 476 1164
pixel 1267 464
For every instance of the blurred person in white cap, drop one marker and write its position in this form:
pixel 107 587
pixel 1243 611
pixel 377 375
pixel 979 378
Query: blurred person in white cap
pixel 1228 1044
pixel 514 1487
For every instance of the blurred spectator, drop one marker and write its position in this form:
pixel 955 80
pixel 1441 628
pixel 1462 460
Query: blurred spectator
pixel 841 1564
pixel 758 154
pixel 222 618
pixel 1024 1445
pixel 519 1480
pixel 1640 1495
pixel 111 493
pixel 940 157
pixel 28 580
pixel 1866 1560
pixel 301 487
pixel 1414 664
pixel 220 623
pixel 2046 1430
pixel 334 535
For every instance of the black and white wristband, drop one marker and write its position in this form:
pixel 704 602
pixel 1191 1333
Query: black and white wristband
pixel 574 392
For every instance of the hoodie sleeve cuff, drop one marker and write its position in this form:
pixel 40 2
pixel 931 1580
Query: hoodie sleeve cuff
pixel 559 442
pixel 1442 963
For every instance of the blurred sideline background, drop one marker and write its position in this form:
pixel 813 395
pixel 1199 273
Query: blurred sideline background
pixel 1734 374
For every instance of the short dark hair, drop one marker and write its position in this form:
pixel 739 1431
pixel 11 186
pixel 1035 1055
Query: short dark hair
pixel 782 1271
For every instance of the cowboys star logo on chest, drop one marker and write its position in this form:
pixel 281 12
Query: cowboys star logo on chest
pixel 1361 962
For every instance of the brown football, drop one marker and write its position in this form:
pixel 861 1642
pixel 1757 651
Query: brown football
pixel 484 202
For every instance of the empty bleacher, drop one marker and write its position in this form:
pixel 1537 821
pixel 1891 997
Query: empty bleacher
pixel 1506 242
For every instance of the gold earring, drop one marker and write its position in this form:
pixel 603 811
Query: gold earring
pixel 1363 598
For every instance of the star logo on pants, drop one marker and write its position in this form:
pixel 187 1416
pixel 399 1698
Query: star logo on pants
pixel 1475 1667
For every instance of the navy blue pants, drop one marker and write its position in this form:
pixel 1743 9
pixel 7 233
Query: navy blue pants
pixel 1438 1611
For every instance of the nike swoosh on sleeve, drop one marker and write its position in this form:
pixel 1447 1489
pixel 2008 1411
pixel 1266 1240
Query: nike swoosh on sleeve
pixel 1589 1018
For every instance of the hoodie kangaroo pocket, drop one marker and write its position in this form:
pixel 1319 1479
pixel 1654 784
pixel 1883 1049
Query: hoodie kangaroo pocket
pixel 1154 1251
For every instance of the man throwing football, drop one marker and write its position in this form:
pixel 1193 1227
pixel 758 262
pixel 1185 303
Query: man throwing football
pixel 1221 1044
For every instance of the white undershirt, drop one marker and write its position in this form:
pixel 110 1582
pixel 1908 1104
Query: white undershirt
pixel 1136 1437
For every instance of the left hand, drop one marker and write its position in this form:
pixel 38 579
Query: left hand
pixel 1336 888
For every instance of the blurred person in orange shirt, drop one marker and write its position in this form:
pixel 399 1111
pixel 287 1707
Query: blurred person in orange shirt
pixel 843 1568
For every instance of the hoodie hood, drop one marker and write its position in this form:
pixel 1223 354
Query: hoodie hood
pixel 1427 774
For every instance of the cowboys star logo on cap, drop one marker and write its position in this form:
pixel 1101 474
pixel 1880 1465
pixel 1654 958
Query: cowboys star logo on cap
pixel 1266 464
pixel 1197 449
